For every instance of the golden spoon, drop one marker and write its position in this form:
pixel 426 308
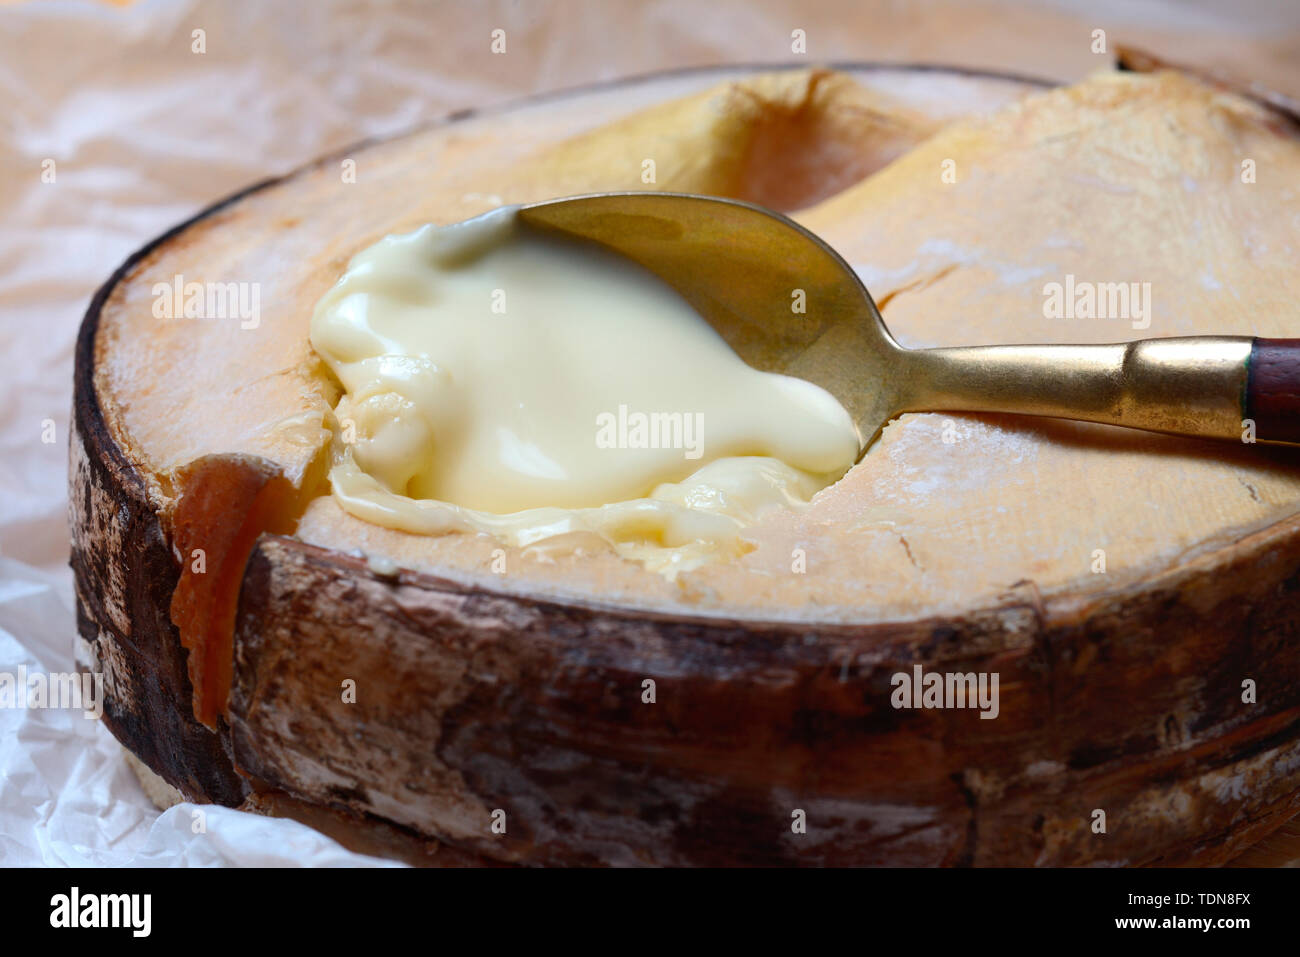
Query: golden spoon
pixel 742 267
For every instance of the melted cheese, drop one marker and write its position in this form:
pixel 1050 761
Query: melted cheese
pixel 502 381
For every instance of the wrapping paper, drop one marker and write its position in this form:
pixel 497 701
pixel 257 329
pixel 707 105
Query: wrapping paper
pixel 114 126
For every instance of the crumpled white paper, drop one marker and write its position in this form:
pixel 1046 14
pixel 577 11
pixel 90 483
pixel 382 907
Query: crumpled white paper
pixel 114 126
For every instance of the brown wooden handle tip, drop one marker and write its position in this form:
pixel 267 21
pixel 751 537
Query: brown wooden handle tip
pixel 1273 389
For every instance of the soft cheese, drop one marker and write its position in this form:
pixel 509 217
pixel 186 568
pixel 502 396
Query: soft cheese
pixel 500 380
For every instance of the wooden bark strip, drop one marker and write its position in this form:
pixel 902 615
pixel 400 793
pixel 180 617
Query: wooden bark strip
pixel 363 835
pixel 125 574
pixel 469 701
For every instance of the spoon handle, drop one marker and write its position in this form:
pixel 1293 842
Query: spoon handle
pixel 1273 389
pixel 1227 387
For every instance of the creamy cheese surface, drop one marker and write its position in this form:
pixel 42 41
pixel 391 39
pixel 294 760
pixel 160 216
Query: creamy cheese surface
pixel 503 381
